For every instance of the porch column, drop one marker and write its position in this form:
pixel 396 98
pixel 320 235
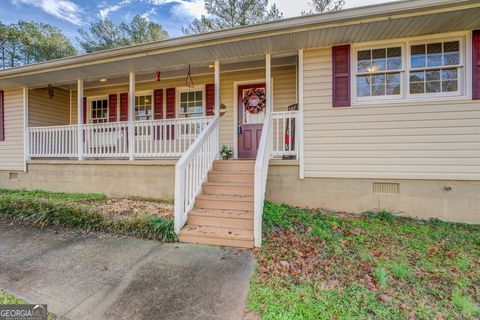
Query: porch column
pixel 217 87
pixel 131 116
pixel 26 135
pixel 268 82
pixel 80 116
pixel 299 126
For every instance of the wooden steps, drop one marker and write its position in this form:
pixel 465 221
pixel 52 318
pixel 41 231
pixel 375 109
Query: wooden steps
pixel 223 213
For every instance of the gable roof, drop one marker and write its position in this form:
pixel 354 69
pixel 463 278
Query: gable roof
pixel 376 22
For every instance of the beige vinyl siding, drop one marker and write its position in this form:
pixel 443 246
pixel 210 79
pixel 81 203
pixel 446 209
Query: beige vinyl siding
pixel 284 92
pixel 11 149
pixel 46 111
pixel 414 140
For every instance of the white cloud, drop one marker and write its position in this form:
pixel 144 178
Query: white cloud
pixel 62 9
pixel 149 13
pixel 105 10
pixel 183 8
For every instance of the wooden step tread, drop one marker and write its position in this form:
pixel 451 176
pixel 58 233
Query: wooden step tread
pixel 216 232
pixel 236 172
pixel 229 183
pixel 221 213
pixel 225 197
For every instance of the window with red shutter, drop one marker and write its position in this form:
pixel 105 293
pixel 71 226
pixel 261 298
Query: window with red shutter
pixel 158 104
pixel 341 75
pixel 210 99
pixel 124 107
pixel 476 65
pixel 2 117
pixel 112 108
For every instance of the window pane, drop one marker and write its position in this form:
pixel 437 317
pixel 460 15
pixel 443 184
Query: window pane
pixel 363 86
pixel 394 58
pixel 432 75
pixel 379 62
pixel 417 76
pixel 199 95
pixel 432 87
pixel 378 85
pixel 449 74
pixel 453 46
pixel 364 60
pixel 191 96
pixel 434 55
pixel 418 56
pixel 451 59
pixel 183 96
pixel 417 88
pixel 393 84
pixel 450 86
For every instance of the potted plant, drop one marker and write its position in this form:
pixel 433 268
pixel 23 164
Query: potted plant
pixel 226 152
pixel 223 109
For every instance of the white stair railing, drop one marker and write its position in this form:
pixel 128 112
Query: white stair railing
pixel 192 170
pixel 261 172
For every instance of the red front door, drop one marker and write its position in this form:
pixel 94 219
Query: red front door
pixel 250 123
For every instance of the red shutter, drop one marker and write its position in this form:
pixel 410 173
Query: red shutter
pixel 123 106
pixel 341 75
pixel 112 108
pixel 170 111
pixel 476 65
pixel 210 98
pixel 2 117
pixel 84 110
pixel 158 104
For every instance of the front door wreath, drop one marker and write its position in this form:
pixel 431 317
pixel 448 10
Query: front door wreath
pixel 254 100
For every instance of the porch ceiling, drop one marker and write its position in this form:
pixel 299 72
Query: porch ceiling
pixel 394 20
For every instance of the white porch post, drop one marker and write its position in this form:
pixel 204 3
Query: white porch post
pixel 80 116
pixel 299 126
pixel 131 116
pixel 26 135
pixel 217 87
pixel 268 82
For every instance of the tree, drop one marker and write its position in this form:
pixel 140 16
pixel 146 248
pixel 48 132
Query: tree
pixel 105 34
pixel 321 6
pixel 28 42
pixel 223 14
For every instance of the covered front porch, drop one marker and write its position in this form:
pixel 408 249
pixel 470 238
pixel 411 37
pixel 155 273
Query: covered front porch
pixel 159 113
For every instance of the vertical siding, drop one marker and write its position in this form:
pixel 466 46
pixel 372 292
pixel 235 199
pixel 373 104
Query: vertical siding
pixel 46 111
pixel 284 92
pixel 421 140
pixel 11 150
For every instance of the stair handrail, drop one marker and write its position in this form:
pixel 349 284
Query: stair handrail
pixel 192 170
pixel 264 155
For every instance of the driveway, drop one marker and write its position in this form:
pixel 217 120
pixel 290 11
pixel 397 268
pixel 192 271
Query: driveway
pixel 98 276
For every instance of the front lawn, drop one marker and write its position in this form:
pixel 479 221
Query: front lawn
pixel 89 212
pixel 315 265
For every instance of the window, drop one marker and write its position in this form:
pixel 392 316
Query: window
pixel 379 72
pixel 143 107
pixel 434 67
pixel 410 70
pixel 191 104
pixel 99 111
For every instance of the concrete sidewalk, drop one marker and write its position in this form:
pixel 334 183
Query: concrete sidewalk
pixel 99 276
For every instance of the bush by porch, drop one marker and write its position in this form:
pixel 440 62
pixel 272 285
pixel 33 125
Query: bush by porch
pixel 89 212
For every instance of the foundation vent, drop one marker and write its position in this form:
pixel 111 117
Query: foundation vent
pixel 385 187
pixel 13 175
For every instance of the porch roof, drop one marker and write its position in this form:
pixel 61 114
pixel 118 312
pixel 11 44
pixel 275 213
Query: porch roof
pixel 385 21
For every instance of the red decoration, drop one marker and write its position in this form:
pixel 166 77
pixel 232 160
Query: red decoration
pixel 158 76
pixel 254 101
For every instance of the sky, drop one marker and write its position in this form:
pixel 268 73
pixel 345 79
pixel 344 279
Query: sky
pixel 70 15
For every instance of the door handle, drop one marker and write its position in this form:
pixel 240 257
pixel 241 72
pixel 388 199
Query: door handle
pixel 239 130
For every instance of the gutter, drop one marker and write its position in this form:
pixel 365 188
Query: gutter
pixel 324 20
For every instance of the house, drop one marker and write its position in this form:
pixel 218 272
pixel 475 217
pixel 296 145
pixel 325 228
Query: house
pixel 371 107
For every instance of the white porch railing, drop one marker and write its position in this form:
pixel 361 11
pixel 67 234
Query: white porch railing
pixel 285 137
pixel 192 170
pixel 261 172
pixel 152 138
pixel 58 141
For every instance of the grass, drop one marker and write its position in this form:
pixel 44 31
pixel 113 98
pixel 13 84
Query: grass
pixel 316 265
pixel 41 208
pixel 6 298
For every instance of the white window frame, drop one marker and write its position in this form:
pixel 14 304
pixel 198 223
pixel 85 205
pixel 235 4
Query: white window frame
pixel 141 94
pixel 181 90
pixel 89 108
pixel 464 76
pixel 355 73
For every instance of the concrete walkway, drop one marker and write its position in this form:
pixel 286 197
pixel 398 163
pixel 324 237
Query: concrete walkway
pixel 104 277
